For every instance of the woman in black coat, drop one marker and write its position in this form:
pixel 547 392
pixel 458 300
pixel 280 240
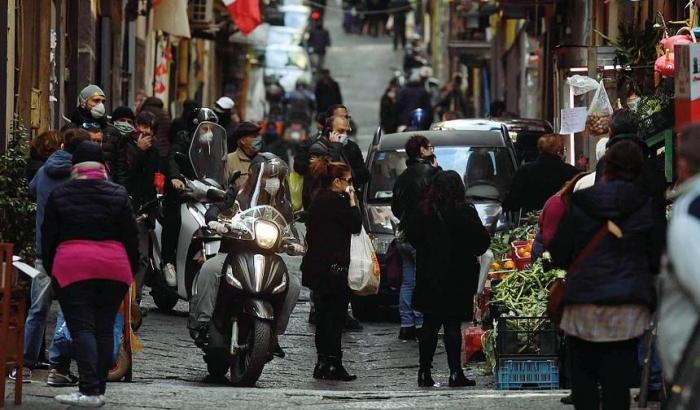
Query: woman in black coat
pixel 448 237
pixel 333 218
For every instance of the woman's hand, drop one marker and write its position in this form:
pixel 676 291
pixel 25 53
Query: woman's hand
pixel 334 136
pixel 351 195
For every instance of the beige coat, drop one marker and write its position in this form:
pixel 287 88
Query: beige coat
pixel 238 161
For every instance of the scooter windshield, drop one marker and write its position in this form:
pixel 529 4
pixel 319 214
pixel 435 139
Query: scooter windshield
pixel 242 225
pixel 267 185
pixel 208 153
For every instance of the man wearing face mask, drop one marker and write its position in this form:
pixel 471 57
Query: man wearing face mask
pixel 171 207
pixel 249 143
pixel 91 113
pixel 336 145
pixel 142 160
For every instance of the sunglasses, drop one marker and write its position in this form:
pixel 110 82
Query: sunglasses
pixel 431 148
pixel 348 180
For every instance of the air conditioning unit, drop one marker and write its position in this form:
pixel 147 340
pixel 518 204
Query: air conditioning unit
pixel 201 11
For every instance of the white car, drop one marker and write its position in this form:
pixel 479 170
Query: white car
pixel 288 63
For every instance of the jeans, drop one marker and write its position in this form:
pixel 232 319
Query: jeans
pixel 90 308
pixel 656 380
pixel 331 309
pixel 409 317
pixel 610 364
pixel 60 351
pixel 205 289
pixel 35 325
pixel 429 336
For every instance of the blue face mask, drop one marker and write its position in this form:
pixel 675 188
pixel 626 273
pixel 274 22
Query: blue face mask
pixel 344 139
pixel 256 144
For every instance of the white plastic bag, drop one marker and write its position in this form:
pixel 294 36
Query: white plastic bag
pixel 582 84
pixel 363 272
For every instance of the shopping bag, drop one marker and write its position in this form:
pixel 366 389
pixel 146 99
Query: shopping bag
pixel 296 186
pixel 363 272
pixel 390 23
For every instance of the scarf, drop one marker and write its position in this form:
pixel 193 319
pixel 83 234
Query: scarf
pixel 89 170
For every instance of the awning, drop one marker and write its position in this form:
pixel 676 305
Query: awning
pixel 171 17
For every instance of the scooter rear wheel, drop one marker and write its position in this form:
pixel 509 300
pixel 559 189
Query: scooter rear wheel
pixel 247 366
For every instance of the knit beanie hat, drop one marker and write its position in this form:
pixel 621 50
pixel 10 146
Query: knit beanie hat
pixel 123 112
pixel 88 151
pixel 88 92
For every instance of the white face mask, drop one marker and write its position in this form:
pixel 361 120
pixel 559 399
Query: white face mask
pixel 206 137
pixel 343 138
pixel 272 185
pixel 98 111
pixel 295 135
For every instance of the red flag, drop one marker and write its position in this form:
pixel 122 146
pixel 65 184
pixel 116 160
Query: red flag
pixel 245 14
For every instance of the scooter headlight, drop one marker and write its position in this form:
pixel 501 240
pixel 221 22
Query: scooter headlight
pixel 266 234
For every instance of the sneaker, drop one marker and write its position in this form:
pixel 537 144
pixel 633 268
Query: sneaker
pixel 26 375
pixel 170 275
pixel 58 379
pixel 80 400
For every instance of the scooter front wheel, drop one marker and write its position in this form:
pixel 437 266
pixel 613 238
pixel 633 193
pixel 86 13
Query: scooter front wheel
pixel 247 366
pixel 164 300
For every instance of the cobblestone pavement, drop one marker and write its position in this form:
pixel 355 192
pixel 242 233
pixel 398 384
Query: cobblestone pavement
pixel 169 373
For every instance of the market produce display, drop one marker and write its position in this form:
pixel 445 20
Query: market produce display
pixel 518 297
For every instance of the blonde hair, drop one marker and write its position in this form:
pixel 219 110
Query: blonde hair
pixel 550 143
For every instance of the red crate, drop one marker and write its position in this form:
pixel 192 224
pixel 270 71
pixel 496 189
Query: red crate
pixel 520 262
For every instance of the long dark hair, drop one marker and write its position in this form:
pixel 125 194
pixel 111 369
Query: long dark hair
pixel 446 192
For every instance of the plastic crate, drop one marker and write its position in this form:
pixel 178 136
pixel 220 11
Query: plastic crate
pixel 517 374
pixel 520 262
pixel 526 337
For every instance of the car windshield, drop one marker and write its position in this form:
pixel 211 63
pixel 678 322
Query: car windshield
pixel 487 171
pixel 286 58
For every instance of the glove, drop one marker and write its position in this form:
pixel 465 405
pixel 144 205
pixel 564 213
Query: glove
pixel 218 227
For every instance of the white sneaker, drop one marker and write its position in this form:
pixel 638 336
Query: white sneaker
pixel 80 400
pixel 170 275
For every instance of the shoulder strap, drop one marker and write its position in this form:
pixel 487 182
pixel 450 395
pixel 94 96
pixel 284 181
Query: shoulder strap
pixel 608 227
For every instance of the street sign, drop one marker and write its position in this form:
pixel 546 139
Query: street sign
pixel 687 83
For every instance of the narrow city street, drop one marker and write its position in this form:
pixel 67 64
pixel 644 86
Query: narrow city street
pixel 169 372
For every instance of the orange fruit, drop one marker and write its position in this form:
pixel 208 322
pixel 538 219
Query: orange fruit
pixel 509 265
pixel 495 266
pixel 527 254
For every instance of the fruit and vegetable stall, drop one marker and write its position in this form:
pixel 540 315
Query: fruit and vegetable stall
pixel 520 344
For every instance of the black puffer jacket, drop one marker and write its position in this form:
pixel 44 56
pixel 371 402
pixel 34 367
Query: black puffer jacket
pixel 141 167
pixel 181 144
pixel 112 146
pixel 447 271
pixel 410 187
pixel 535 182
pixel 89 210
pixel 618 270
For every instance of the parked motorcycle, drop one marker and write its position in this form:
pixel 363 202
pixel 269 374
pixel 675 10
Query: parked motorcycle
pixel 196 242
pixel 241 337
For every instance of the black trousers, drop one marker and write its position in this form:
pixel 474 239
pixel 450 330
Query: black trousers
pixel 399 32
pixel 171 227
pixel 610 364
pixel 331 310
pixel 90 307
pixel 428 340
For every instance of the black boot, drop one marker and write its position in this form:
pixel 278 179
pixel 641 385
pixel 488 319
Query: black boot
pixel 336 371
pixel 425 379
pixel 199 332
pixel 407 333
pixel 352 324
pixel 458 379
pixel 321 368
